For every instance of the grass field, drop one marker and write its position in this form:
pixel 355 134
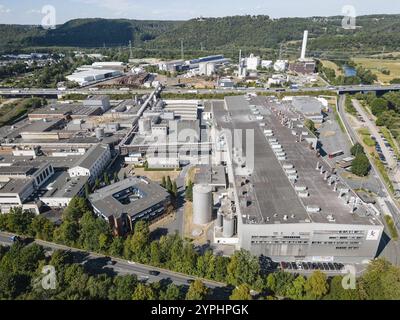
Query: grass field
pixel 332 65
pixel 377 65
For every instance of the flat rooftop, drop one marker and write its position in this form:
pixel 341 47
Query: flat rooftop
pixel 210 175
pixel 105 199
pixel 61 185
pixel 266 195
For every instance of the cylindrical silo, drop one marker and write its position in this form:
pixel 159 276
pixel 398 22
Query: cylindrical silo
pixel 220 217
pixel 202 204
pixel 228 226
pixel 99 132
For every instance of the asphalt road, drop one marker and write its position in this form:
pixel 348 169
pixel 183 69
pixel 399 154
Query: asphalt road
pixel 122 267
pixel 17 92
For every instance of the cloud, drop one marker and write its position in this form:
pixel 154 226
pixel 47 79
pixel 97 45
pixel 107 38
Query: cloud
pixel 4 10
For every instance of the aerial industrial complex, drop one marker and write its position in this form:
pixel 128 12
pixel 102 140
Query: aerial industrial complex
pixel 260 180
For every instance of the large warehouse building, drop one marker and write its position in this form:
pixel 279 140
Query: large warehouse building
pixel 292 206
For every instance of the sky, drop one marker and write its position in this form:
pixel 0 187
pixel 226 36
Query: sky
pixel 30 11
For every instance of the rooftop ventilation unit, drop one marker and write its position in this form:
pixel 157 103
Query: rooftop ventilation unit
pixel 288 166
pixel 304 194
pixel 331 218
pixel 313 209
pixel 300 188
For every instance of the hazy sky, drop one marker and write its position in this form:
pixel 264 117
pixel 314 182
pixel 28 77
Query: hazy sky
pixel 29 11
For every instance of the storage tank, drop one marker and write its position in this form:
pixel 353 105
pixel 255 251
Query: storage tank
pixel 99 132
pixel 202 204
pixel 228 226
pixel 219 222
pixel 144 125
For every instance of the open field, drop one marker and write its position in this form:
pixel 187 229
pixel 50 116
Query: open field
pixel 332 65
pixel 378 65
pixel 157 175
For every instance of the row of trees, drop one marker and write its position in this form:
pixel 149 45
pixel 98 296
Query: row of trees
pixel 21 274
pixel 171 186
pixel 20 278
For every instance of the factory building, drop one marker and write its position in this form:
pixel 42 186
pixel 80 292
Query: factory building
pixel 92 164
pixel 61 188
pixel 310 107
pixel 184 109
pixel 171 66
pixel 281 65
pixel 126 202
pixel 87 77
pixel 295 208
pixel 253 62
pixel 101 101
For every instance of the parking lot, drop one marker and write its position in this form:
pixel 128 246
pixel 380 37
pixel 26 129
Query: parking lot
pixel 305 267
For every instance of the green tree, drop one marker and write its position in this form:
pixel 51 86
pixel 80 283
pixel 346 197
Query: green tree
pixel 337 292
pixel 97 184
pixel 95 233
pixel 106 178
pixel 171 293
pixel 116 247
pixel 174 189
pixel 360 165
pixel 243 268
pixel 316 285
pixel 378 106
pixel 98 286
pixel 280 282
pixel 241 292
pixel 381 281
pixel 137 244
pixel 19 220
pixel 42 228
pixel 197 291
pixel 296 290
pixel 310 125
pixel 87 190
pixel 163 182
pixel 143 292
pixel 357 149
pixel 67 233
pixel 76 208
pixel 168 185
pixel 189 191
pixel 123 287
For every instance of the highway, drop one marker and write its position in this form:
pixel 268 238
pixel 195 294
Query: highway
pixel 26 92
pixel 121 267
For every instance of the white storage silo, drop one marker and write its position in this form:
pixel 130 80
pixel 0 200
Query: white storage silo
pixel 202 204
pixel 228 226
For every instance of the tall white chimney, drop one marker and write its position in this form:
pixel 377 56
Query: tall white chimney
pixel 304 46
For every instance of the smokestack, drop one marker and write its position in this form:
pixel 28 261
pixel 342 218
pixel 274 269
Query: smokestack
pixel 304 46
